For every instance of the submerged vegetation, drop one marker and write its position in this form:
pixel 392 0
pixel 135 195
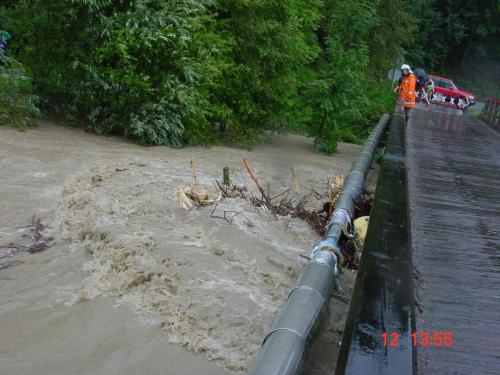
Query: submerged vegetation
pixel 204 71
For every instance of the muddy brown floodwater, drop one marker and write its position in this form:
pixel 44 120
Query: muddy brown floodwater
pixel 133 283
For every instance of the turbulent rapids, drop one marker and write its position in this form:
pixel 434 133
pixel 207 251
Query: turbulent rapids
pixel 213 286
pixel 121 242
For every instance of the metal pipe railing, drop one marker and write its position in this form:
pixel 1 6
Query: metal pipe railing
pixel 492 111
pixel 284 349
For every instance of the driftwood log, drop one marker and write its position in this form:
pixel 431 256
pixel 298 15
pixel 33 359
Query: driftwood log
pixel 259 186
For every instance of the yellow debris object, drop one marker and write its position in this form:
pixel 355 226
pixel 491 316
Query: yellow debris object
pixel 188 195
pixel 360 228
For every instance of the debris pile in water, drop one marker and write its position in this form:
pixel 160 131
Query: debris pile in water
pixel 282 205
pixel 34 242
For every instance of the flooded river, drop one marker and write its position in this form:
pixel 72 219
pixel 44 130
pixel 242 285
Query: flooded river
pixel 133 283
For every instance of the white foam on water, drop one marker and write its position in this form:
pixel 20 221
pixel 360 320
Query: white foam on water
pixel 214 286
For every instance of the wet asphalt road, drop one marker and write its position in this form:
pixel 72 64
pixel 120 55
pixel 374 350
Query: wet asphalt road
pixel 453 163
pixel 429 277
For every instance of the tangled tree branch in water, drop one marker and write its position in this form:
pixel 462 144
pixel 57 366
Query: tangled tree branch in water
pixel 282 204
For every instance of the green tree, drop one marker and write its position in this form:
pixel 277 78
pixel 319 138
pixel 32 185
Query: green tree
pixel 448 31
pixel 273 42
pixel 344 95
pixel 176 72
pixel 17 102
pixel 142 68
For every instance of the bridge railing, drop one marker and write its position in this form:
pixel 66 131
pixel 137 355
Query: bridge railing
pixel 285 347
pixel 492 111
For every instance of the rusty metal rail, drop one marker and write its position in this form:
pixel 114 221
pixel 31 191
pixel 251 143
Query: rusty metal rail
pixel 492 111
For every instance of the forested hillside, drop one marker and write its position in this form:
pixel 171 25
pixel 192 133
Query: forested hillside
pixel 460 38
pixel 204 71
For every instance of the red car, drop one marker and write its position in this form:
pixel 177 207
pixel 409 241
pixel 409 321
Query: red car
pixel 449 92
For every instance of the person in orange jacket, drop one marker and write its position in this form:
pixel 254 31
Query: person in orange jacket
pixel 406 89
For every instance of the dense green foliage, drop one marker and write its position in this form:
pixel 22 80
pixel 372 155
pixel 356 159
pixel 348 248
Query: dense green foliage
pixel 460 38
pixel 451 30
pixel 141 68
pixel 17 103
pixel 346 93
pixel 204 71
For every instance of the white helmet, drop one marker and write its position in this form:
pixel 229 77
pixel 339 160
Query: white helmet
pixel 406 66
